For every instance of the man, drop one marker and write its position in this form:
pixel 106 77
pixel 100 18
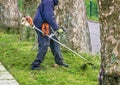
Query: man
pixel 45 14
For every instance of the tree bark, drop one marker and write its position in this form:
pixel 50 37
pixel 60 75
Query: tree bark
pixel 110 42
pixel 9 14
pixel 71 14
pixel 29 8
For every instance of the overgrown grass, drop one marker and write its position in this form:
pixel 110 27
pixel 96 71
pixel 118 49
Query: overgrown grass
pixel 17 58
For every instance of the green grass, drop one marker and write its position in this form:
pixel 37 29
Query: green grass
pixel 17 58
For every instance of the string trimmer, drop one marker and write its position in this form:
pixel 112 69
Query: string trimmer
pixel 27 21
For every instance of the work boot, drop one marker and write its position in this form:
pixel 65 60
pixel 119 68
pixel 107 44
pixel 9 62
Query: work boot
pixel 63 64
pixel 35 68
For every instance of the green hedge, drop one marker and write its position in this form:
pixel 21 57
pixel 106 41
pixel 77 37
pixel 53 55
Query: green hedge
pixel 94 11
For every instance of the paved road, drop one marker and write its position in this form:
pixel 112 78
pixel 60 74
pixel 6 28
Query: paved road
pixel 6 78
pixel 95 36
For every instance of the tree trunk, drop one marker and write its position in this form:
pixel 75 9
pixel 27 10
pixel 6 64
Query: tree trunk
pixel 71 14
pixel 9 14
pixel 110 41
pixel 29 8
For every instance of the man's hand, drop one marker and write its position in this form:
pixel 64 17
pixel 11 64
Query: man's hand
pixel 60 30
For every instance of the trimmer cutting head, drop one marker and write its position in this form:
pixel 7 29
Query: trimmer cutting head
pixel 85 65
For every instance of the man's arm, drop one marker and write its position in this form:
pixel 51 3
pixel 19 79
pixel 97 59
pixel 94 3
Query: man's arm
pixel 49 15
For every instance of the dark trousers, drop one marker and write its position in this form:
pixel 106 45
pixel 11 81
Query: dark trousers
pixel 43 43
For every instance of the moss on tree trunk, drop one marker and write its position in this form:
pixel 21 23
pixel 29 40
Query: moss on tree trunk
pixel 110 41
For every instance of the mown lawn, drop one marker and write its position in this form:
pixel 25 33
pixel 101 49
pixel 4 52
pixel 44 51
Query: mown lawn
pixel 17 58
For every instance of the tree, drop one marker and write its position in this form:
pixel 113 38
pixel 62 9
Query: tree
pixel 9 14
pixel 110 41
pixel 71 14
pixel 28 7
